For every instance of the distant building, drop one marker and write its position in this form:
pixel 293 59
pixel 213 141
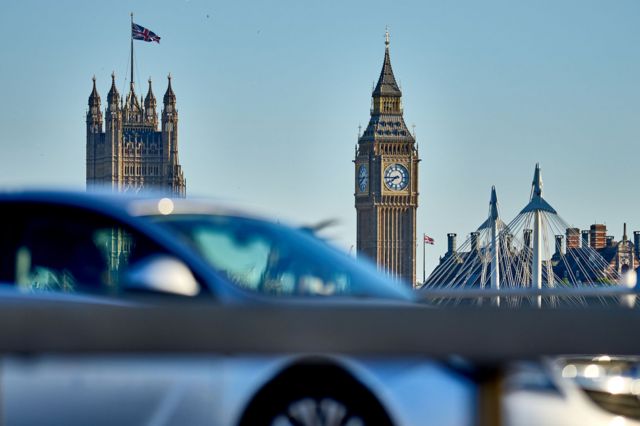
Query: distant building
pixel 130 154
pixel 589 256
pixel 386 182
pixel 619 257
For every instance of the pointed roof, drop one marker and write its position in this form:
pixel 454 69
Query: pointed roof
pixel 150 96
pixel 131 101
pixel 94 97
pixel 387 85
pixel 169 96
pixel 386 125
pixel 113 92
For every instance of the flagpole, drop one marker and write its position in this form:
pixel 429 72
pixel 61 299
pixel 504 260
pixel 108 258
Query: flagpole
pixel 131 34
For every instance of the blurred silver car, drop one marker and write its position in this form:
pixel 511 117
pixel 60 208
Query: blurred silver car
pixel 78 244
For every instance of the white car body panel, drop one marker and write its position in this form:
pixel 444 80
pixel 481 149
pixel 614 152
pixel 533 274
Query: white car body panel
pixel 207 390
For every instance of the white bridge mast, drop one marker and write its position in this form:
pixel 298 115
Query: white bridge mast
pixel 495 243
pixel 537 205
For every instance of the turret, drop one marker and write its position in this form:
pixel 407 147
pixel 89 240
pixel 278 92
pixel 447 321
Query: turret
pixel 169 96
pixel 175 180
pixel 94 115
pixel 94 132
pixel 150 113
pixel 113 136
pixel 113 97
pixel 169 121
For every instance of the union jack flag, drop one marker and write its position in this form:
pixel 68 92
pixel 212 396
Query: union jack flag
pixel 138 32
pixel 428 240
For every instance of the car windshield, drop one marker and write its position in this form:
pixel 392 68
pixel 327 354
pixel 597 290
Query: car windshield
pixel 272 259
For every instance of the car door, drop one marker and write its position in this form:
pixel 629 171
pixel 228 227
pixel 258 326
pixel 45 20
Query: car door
pixel 70 250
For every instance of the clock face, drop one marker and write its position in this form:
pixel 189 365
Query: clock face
pixel 396 177
pixel 363 177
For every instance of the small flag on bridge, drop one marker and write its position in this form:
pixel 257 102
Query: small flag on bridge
pixel 138 32
pixel 429 240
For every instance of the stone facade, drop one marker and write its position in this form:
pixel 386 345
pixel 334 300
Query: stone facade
pixel 130 154
pixel 386 183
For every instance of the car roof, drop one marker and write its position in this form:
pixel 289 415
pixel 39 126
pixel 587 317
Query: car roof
pixel 148 203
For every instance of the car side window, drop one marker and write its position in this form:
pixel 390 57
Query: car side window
pixel 258 257
pixel 71 250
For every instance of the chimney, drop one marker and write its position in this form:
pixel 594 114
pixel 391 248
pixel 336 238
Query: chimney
pixel 475 241
pixel 559 245
pixel 585 238
pixel 527 237
pixel 610 242
pixel 451 243
pixel 636 243
pixel 573 238
pixel 598 236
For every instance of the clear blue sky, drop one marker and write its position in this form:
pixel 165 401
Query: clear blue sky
pixel 271 93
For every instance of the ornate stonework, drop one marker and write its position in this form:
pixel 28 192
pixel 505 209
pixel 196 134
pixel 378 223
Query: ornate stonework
pixel 386 186
pixel 131 154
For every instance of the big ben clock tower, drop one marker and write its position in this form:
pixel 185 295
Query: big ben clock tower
pixel 386 182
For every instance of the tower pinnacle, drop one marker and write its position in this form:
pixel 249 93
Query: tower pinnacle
pixel 150 95
pixel 113 97
pixel 94 97
pixel 169 96
pixel 387 85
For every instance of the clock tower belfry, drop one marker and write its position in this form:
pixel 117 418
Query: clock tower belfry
pixel 386 182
